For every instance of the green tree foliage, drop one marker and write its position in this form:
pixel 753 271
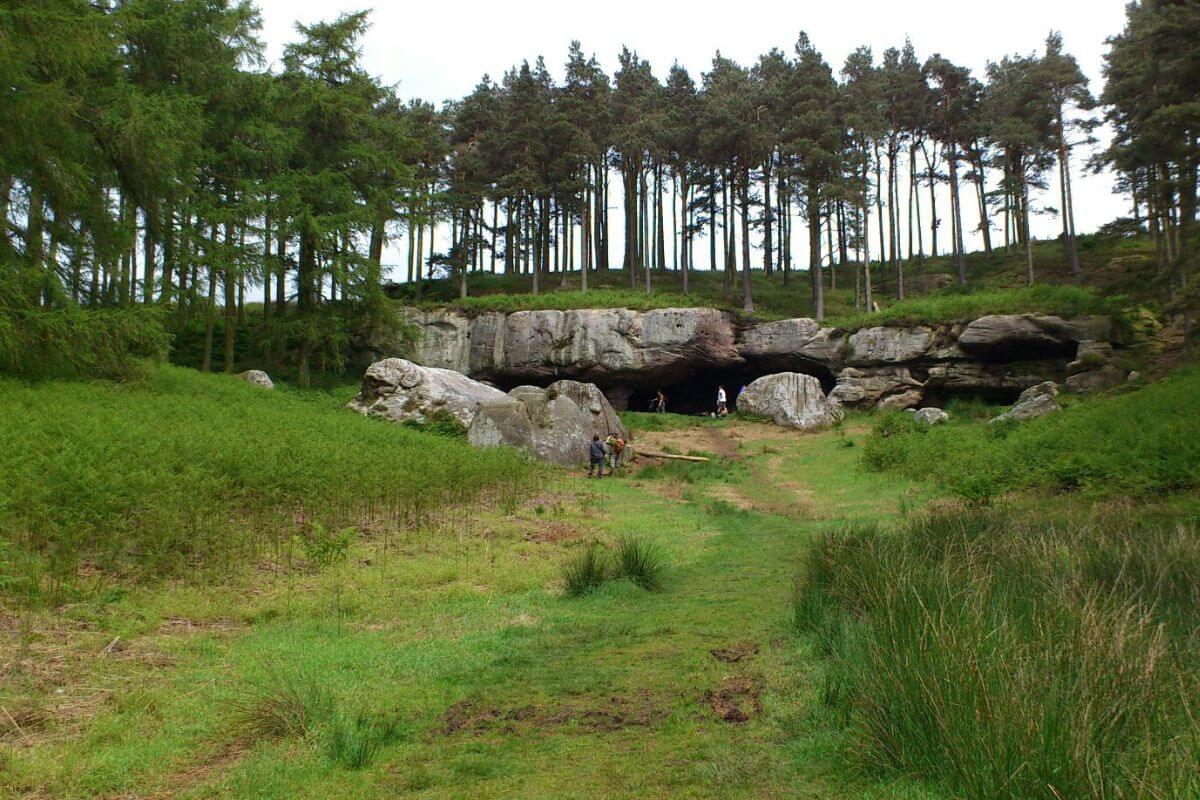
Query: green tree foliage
pixel 148 158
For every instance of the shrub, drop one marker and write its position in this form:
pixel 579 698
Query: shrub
pixel 1014 658
pixel 639 561
pixel 71 342
pixel 586 570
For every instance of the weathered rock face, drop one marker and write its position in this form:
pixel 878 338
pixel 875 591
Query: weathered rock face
pixel 879 346
pixel 624 351
pixel 601 344
pixel 553 424
pixel 1025 335
pixel 1036 401
pixel 790 399
pixel 399 390
pixel 894 387
pixel 258 378
pixel 441 340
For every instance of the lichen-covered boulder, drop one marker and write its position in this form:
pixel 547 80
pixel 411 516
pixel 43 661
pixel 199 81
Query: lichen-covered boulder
pixel 554 424
pixel 930 416
pixel 589 397
pixel 399 390
pixel 791 400
pixel 1036 401
pixel 258 378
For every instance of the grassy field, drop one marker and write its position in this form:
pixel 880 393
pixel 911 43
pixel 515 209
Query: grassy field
pixel 788 619
pixel 445 661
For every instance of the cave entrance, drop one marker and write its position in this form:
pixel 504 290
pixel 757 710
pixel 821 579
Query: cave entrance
pixel 696 394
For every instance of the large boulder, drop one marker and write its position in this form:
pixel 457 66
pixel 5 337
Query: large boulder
pixel 554 424
pixel 930 416
pixel 1030 335
pixel 790 399
pixel 1101 379
pixel 256 377
pixel 399 390
pixel 1036 401
pixel 886 386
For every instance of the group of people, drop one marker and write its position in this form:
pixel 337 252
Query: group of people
pixel 605 453
pixel 610 451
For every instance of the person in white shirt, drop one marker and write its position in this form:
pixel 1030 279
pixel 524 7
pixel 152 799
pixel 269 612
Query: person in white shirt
pixel 722 402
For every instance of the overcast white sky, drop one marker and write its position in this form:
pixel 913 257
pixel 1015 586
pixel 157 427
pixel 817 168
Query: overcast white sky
pixel 439 50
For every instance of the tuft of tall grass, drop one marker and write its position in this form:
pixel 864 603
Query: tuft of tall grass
pixel 640 562
pixel 353 739
pixel 283 703
pixel 1014 658
pixel 586 570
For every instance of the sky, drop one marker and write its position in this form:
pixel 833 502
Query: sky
pixel 440 50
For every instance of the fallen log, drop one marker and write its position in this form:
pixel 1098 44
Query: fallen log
pixel 670 456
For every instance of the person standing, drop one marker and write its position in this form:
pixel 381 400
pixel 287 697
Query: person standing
pixel 616 447
pixel 596 457
pixel 660 403
pixel 722 402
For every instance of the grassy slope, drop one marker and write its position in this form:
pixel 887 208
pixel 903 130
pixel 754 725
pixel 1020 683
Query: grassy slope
pixel 467 609
pixel 1109 267
pixel 1137 443
pixel 180 471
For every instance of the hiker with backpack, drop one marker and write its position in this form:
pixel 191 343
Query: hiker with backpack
pixel 616 449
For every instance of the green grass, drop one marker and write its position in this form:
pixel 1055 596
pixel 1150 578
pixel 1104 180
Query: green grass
pixel 179 472
pixel 1015 655
pixel 1137 443
pixel 443 662
pixel 954 305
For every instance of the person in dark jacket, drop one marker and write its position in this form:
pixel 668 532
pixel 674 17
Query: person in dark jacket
pixel 596 457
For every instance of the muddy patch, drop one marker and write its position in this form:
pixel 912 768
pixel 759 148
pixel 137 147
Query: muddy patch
pixel 736 700
pixel 742 651
pixel 613 713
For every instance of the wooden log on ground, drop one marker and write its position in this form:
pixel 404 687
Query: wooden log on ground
pixel 670 456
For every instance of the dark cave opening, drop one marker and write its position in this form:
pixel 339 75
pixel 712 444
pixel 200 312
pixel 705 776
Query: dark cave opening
pixel 696 393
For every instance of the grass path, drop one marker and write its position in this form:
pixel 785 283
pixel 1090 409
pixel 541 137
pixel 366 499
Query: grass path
pixel 496 686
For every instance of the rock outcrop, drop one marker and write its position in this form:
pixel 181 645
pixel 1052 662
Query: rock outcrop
pixel 624 351
pixel 608 345
pixel 1036 401
pixel 554 424
pixel 258 378
pixel 790 399
pixel 399 390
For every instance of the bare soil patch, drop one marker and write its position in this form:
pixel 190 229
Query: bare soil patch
pixel 736 700
pixel 737 652
pixel 592 715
